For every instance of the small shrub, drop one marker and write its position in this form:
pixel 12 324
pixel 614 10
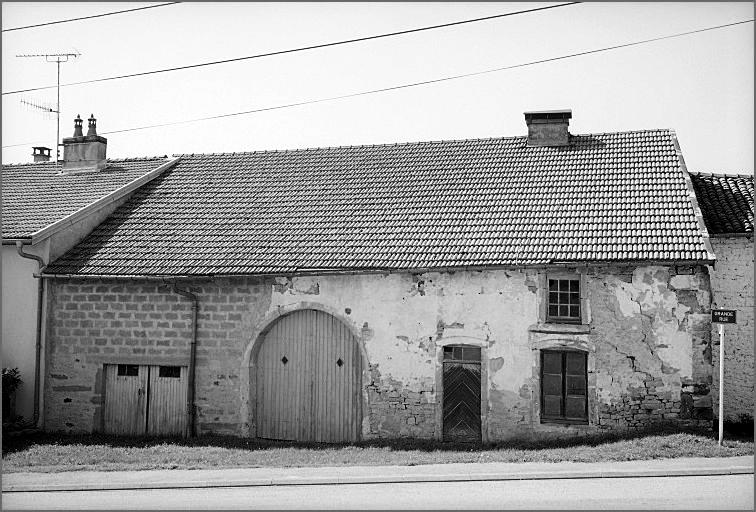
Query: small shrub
pixel 11 380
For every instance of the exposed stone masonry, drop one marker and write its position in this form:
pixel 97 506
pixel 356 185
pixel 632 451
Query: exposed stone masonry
pixel 399 412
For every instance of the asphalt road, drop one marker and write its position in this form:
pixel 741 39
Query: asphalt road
pixel 687 493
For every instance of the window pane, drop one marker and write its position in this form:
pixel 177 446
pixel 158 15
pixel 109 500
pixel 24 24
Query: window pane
pixel 553 310
pixel 472 354
pixel 564 310
pixel 553 297
pixel 574 285
pixel 574 408
pixel 553 285
pixel 170 372
pixel 552 362
pixel 575 385
pixel 564 285
pixel 457 352
pixel 575 311
pixel 448 352
pixel 564 298
pixel 552 385
pixel 552 406
pixel 574 298
pixel 128 370
pixel 575 363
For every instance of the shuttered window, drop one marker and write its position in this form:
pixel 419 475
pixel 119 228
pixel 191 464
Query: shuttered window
pixel 564 386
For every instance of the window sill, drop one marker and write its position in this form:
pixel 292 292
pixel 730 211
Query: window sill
pixel 545 421
pixel 561 328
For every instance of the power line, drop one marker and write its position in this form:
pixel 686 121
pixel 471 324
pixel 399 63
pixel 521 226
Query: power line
pixel 415 84
pixel 88 17
pixel 292 50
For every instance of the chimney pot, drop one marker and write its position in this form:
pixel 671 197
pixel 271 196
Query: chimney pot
pixel 92 125
pixel 41 154
pixel 77 127
pixel 548 127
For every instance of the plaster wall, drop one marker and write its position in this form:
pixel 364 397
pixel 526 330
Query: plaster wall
pixel 645 330
pixel 732 288
pixel 19 319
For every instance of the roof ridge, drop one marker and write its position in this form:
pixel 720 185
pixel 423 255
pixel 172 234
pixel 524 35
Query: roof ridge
pixel 137 158
pixel 43 164
pixel 55 164
pixel 721 174
pixel 411 143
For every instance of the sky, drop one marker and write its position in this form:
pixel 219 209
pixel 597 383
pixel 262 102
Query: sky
pixel 700 85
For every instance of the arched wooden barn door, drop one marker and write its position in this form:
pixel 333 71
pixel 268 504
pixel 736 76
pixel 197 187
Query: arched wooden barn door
pixel 308 377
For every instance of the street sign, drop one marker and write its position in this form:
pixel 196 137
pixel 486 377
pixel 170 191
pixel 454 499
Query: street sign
pixel 723 316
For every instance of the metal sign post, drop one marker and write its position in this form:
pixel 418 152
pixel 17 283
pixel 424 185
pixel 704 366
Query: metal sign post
pixel 721 317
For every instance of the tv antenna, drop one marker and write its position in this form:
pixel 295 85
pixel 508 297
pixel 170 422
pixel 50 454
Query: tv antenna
pixel 58 58
pixel 45 108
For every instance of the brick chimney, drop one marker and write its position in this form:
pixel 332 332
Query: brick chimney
pixel 548 127
pixel 84 152
pixel 41 154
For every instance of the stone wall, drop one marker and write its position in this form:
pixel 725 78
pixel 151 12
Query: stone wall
pixel 97 323
pixel 645 330
pixel 732 288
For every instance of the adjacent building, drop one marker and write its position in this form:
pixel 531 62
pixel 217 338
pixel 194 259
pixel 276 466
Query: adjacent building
pixel 47 208
pixel 727 203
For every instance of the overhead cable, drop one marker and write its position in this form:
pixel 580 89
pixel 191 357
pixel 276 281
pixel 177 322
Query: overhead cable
pixel 292 50
pixel 415 84
pixel 89 17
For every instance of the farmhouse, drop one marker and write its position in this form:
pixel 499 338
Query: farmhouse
pixel 542 285
pixel 727 204
pixel 47 209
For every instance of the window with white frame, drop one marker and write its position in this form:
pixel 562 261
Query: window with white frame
pixel 563 300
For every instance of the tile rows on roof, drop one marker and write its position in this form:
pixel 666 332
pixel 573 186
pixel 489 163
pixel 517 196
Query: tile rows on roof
pixel 607 197
pixel 36 195
pixel 726 201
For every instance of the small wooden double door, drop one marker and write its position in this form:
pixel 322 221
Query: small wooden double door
pixel 145 399
pixel 309 370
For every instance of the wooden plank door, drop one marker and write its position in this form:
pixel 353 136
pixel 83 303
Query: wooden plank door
pixel 166 412
pixel 308 375
pixel 125 399
pixel 336 381
pixel 284 386
pixel 461 398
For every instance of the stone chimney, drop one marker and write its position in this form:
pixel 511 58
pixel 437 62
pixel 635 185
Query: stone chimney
pixel 84 152
pixel 548 127
pixel 41 154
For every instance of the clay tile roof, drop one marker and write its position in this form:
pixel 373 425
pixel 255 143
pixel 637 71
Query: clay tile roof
pixel 450 204
pixel 726 201
pixel 37 195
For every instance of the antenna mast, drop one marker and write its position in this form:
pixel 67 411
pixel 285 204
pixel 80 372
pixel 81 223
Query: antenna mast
pixel 57 58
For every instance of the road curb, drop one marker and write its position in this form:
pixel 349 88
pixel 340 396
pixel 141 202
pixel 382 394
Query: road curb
pixel 378 479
